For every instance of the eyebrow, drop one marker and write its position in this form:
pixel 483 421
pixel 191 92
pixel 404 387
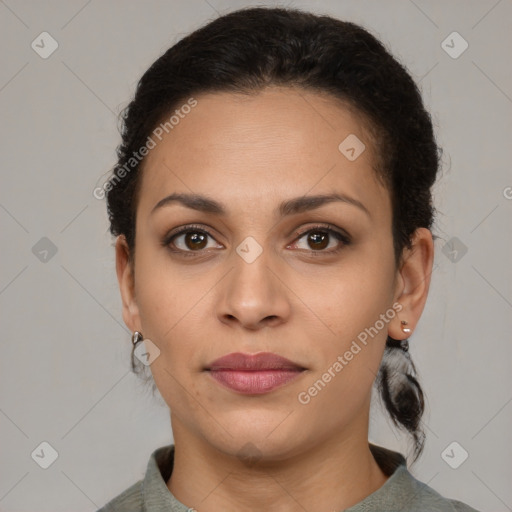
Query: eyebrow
pixel 286 208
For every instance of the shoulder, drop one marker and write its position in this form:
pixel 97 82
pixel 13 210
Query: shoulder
pixel 462 507
pixel 150 491
pixel 420 496
pixel 402 491
pixel 129 500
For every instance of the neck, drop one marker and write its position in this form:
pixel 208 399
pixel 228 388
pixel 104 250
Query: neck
pixel 331 475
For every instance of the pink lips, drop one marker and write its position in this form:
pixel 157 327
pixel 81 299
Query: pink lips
pixel 253 374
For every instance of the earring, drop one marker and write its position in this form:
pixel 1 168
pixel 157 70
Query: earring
pixel 401 344
pixel 136 338
pixel 406 330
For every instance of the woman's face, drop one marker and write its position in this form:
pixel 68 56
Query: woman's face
pixel 258 282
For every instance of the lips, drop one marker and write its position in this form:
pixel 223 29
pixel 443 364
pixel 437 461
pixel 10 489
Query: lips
pixel 253 362
pixel 253 373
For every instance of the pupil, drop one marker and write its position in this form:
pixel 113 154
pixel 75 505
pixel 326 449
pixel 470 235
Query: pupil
pixel 322 237
pixel 197 239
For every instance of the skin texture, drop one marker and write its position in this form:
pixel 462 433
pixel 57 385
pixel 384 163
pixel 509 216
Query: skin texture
pixel 250 153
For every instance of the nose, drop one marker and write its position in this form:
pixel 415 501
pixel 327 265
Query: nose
pixel 253 296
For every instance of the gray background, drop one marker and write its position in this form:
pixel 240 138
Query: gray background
pixel 64 372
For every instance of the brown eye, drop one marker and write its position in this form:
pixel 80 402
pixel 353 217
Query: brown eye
pixel 195 240
pixel 318 239
pixel 189 240
pixel 322 240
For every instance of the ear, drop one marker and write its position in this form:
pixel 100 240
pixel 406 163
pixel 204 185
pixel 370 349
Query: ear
pixel 125 278
pixel 413 282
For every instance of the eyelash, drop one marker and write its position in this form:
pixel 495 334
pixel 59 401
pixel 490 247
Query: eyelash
pixel 345 239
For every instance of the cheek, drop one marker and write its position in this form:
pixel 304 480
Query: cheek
pixel 352 295
pixel 170 310
pixel 355 303
pixel 164 296
pixel 167 305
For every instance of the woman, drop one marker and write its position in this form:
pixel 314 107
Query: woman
pixel 272 207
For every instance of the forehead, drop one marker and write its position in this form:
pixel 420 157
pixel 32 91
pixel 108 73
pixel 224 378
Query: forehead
pixel 280 142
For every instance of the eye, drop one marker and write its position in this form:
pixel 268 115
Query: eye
pixel 320 238
pixel 189 240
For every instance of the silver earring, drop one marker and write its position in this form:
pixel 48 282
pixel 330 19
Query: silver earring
pixel 136 338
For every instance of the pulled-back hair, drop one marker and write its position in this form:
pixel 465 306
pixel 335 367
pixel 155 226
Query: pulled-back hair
pixel 249 49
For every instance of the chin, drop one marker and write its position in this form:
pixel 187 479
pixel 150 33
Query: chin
pixel 254 439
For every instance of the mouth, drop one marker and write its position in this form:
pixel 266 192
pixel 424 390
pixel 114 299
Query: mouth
pixel 254 374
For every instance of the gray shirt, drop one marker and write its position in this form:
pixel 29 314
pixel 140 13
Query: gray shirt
pixel 400 492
